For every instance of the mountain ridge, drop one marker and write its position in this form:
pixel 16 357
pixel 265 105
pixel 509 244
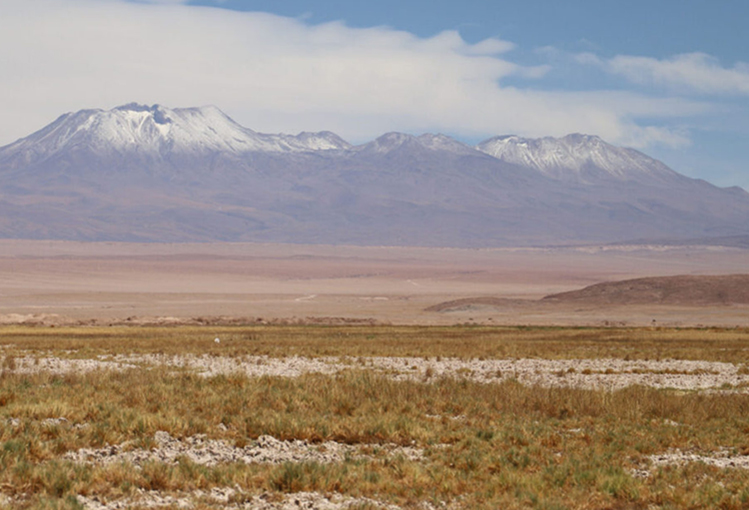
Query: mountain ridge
pixel 155 129
pixel 140 125
pixel 151 173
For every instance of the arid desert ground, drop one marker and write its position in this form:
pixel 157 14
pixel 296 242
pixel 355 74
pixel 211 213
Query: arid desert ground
pixel 62 282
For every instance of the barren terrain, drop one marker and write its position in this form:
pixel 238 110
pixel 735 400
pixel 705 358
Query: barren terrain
pixel 65 282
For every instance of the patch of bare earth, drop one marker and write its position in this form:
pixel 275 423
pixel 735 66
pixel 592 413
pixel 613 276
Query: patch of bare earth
pixel 223 498
pixel 722 459
pixel 210 452
pixel 207 452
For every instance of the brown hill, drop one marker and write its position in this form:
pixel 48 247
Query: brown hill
pixel 476 303
pixel 666 290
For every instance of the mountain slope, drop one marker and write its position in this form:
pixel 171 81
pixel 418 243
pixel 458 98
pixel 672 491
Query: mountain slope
pixel 149 173
pixel 578 158
pixel 663 290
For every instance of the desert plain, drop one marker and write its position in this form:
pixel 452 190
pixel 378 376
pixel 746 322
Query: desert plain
pixel 67 282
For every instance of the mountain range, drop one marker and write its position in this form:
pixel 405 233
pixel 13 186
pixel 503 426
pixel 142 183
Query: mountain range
pixel 150 173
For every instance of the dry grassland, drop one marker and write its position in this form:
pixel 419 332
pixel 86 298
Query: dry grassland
pixel 148 434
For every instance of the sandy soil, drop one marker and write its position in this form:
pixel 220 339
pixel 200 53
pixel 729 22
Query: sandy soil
pixel 58 282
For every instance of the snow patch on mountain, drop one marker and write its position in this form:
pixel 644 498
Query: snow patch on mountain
pixel 445 143
pixel 322 141
pixel 576 157
pixel 387 142
pixel 392 141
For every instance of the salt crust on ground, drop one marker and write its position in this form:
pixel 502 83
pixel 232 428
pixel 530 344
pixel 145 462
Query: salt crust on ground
pixel 207 452
pixel 588 373
pixel 210 452
pixel 722 459
pixel 221 499
pixel 611 374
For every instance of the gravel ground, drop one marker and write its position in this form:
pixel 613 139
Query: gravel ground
pixel 609 374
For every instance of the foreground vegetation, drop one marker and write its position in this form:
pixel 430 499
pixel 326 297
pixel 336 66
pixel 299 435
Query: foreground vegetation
pixel 466 342
pixel 500 445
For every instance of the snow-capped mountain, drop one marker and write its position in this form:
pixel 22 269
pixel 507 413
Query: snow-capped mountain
pixel 576 157
pixel 156 130
pixel 150 173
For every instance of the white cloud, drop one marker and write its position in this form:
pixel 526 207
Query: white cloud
pixel 695 72
pixel 490 47
pixel 278 74
pixel 160 1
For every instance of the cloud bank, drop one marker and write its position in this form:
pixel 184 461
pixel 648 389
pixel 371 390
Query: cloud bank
pixel 278 74
pixel 688 72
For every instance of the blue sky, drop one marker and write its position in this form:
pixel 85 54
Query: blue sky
pixel 658 28
pixel 669 77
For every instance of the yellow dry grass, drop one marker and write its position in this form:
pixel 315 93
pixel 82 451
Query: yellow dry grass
pixel 465 342
pixel 500 445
